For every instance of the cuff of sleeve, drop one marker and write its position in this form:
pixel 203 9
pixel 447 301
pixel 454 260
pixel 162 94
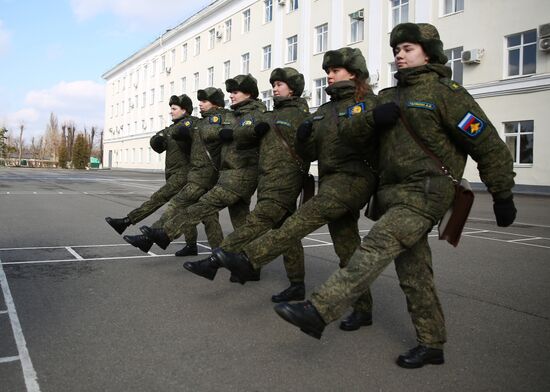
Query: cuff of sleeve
pixel 502 195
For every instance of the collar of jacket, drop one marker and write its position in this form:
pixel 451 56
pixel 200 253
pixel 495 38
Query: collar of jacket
pixel 410 76
pixel 341 90
pixel 211 112
pixel 247 106
pixel 177 120
pixel 289 102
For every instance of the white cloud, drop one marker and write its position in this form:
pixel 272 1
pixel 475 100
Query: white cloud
pixel 5 39
pixel 81 102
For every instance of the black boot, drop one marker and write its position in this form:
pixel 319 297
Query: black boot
pixel 295 292
pixel 237 263
pixel 119 224
pixel 188 250
pixel 158 236
pixel 255 277
pixel 356 320
pixel 207 268
pixel 304 316
pixel 139 241
pixel 420 356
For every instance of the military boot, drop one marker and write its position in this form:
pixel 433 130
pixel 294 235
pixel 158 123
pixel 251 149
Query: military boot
pixel 295 292
pixel 139 241
pixel 237 263
pixel 255 277
pixel 356 320
pixel 188 250
pixel 207 268
pixel 158 236
pixel 304 316
pixel 420 356
pixel 119 224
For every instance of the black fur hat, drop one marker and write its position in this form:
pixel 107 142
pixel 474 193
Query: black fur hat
pixel 212 94
pixel 349 58
pixel 424 34
pixel 244 83
pixel 183 101
pixel 293 78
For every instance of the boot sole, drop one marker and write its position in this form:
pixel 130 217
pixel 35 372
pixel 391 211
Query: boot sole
pixel 288 299
pixel 435 361
pixel 289 317
pixel 190 269
pixel 355 327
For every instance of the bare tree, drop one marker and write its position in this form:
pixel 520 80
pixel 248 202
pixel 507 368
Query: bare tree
pixel 52 138
pixel 21 129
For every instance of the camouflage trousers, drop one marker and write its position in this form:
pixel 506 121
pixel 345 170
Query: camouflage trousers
pixel 213 201
pixel 401 235
pixel 265 216
pixel 172 186
pixel 186 197
pixel 321 209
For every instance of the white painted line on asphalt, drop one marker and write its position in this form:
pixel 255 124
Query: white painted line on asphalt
pixel 26 364
pixel 74 253
pixel 144 256
pixel 508 241
pixel 151 253
pixel 316 240
pixel 204 246
pixel 80 246
pixel 60 193
pixel 3 312
pixel 526 239
pixel 9 359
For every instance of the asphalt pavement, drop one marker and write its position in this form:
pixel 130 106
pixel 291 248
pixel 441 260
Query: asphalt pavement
pixel 81 310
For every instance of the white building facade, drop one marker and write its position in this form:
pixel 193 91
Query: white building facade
pixel 500 51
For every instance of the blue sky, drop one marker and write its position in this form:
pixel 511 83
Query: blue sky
pixel 53 53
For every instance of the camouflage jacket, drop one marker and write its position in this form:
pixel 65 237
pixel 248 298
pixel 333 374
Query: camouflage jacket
pixel 177 152
pixel 206 147
pixel 452 125
pixel 239 158
pixel 280 175
pixel 335 154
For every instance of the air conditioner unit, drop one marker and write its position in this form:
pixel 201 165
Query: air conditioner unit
pixel 219 34
pixel 168 69
pixel 135 84
pixel 281 2
pixel 472 56
pixel 358 15
pixel 544 37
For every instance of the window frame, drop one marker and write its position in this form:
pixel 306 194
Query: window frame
pixel 266 62
pixel 319 93
pixel 321 38
pixel 455 61
pixel 521 48
pixel 245 63
pixel 400 7
pixel 210 76
pixel 268 11
pixel 292 48
pixel 246 20
pixel 360 23
pixel 454 4
pixel 517 135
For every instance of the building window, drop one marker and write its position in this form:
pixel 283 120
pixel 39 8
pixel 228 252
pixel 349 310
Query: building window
pixel 183 85
pixel 162 63
pixel 149 153
pixel 246 21
pixel 266 63
pixel 519 136
pixel 226 69
pixel 522 53
pixel 151 124
pixel 154 67
pixel 161 93
pixel 161 121
pixel 293 5
pixel 143 125
pixel 268 11
pixel 143 99
pixel 211 77
pixel 452 6
pixel 320 94
pixel 292 49
pixel 245 63
pixel 184 52
pixel 399 11
pixel 145 72
pixel 124 83
pixel 172 88
pixel 197 46
pixel 357 28
pixel 172 57
pixel 211 38
pixel 267 99
pixel 227 30
pixel 122 106
pixel 152 97
pixel 321 38
pixel 392 81
pixel 454 63
pixel 196 78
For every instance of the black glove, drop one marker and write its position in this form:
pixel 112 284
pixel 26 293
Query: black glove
pixel 226 134
pixel 304 130
pixel 505 211
pixel 261 129
pixel 158 144
pixel 385 115
pixel 182 132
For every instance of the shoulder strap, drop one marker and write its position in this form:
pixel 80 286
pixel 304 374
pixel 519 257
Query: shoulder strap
pixel 444 169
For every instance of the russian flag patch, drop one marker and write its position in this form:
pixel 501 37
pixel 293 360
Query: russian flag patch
pixel 471 125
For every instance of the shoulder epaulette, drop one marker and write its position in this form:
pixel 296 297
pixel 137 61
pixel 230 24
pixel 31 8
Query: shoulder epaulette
pixel 451 84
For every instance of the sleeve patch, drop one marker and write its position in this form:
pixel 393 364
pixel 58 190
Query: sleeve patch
pixel 187 123
pixel 471 125
pixel 355 109
pixel 247 122
pixel 215 120
pixel 421 105
pixel 285 123
pixel 318 118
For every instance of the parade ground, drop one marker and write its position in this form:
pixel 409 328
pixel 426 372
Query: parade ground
pixel 82 310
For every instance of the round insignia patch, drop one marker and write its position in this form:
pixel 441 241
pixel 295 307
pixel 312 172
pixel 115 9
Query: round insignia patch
pixel 187 123
pixel 357 109
pixel 215 119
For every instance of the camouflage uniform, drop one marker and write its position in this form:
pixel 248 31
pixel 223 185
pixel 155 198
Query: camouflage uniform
pixel 346 182
pixel 279 184
pixel 238 175
pixel 413 194
pixel 203 175
pixel 176 169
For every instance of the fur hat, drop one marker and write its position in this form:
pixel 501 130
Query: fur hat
pixel 244 83
pixel 212 94
pixel 293 78
pixel 183 101
pixel 349 58
pixel 424 34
